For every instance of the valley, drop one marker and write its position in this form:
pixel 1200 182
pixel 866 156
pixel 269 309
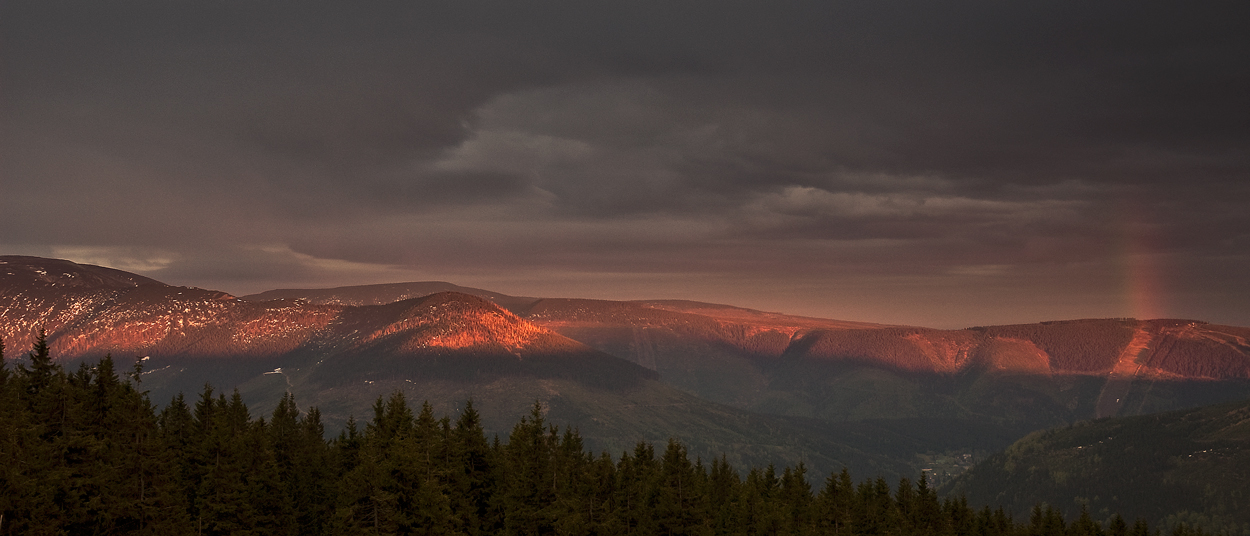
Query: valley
pixel 1188 466
pixel 756 386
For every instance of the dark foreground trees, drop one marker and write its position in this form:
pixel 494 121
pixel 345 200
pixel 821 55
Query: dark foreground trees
pixel 85 452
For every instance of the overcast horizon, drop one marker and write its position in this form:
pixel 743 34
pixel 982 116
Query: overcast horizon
pixel 938 164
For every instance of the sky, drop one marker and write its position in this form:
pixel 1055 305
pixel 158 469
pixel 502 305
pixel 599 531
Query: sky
pixel 944 164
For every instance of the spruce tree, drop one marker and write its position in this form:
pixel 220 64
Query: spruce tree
pixel 39 376
pixel 315 487
pixel 528 476
pixel 1117 526
pixel 926 517
pixel 471 478
pixel 796 496
pixel 723 488
pixel 675 511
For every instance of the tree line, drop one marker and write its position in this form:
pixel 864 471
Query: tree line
pixel 86 452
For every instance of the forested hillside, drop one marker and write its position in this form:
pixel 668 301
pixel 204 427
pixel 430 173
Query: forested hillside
pixel 1190 466
pixel 87 453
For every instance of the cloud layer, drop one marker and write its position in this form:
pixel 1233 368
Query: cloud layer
pixel 944 164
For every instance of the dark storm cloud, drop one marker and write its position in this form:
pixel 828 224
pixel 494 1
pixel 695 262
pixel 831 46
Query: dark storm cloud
pixel 963 141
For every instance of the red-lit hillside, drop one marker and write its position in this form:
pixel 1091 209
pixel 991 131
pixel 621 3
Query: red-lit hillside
pixel 1021 375
pixel 807 367
pixel 1157 348
pixel 675 335
pixel 447 322
pixel 89 311
pixel 445 347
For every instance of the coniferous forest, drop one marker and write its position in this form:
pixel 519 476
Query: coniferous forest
pixel 86 452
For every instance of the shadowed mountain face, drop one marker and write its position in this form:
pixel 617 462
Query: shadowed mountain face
pixel 624 371
pixel 1155 349
pixel 1187 466
pixel 445 347
pixel 189 336
pixel 1020 376
pixel 1173 349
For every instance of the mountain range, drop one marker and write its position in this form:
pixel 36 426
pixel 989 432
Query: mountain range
pixel 759 387
pixel 1022 377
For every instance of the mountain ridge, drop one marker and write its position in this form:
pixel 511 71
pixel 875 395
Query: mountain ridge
pixel 1022 377
pixel 920 348
pixel 384 293
pixel 685 367
pixel 442 347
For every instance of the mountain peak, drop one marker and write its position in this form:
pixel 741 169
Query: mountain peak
pixel 33 272
pixel 455 321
